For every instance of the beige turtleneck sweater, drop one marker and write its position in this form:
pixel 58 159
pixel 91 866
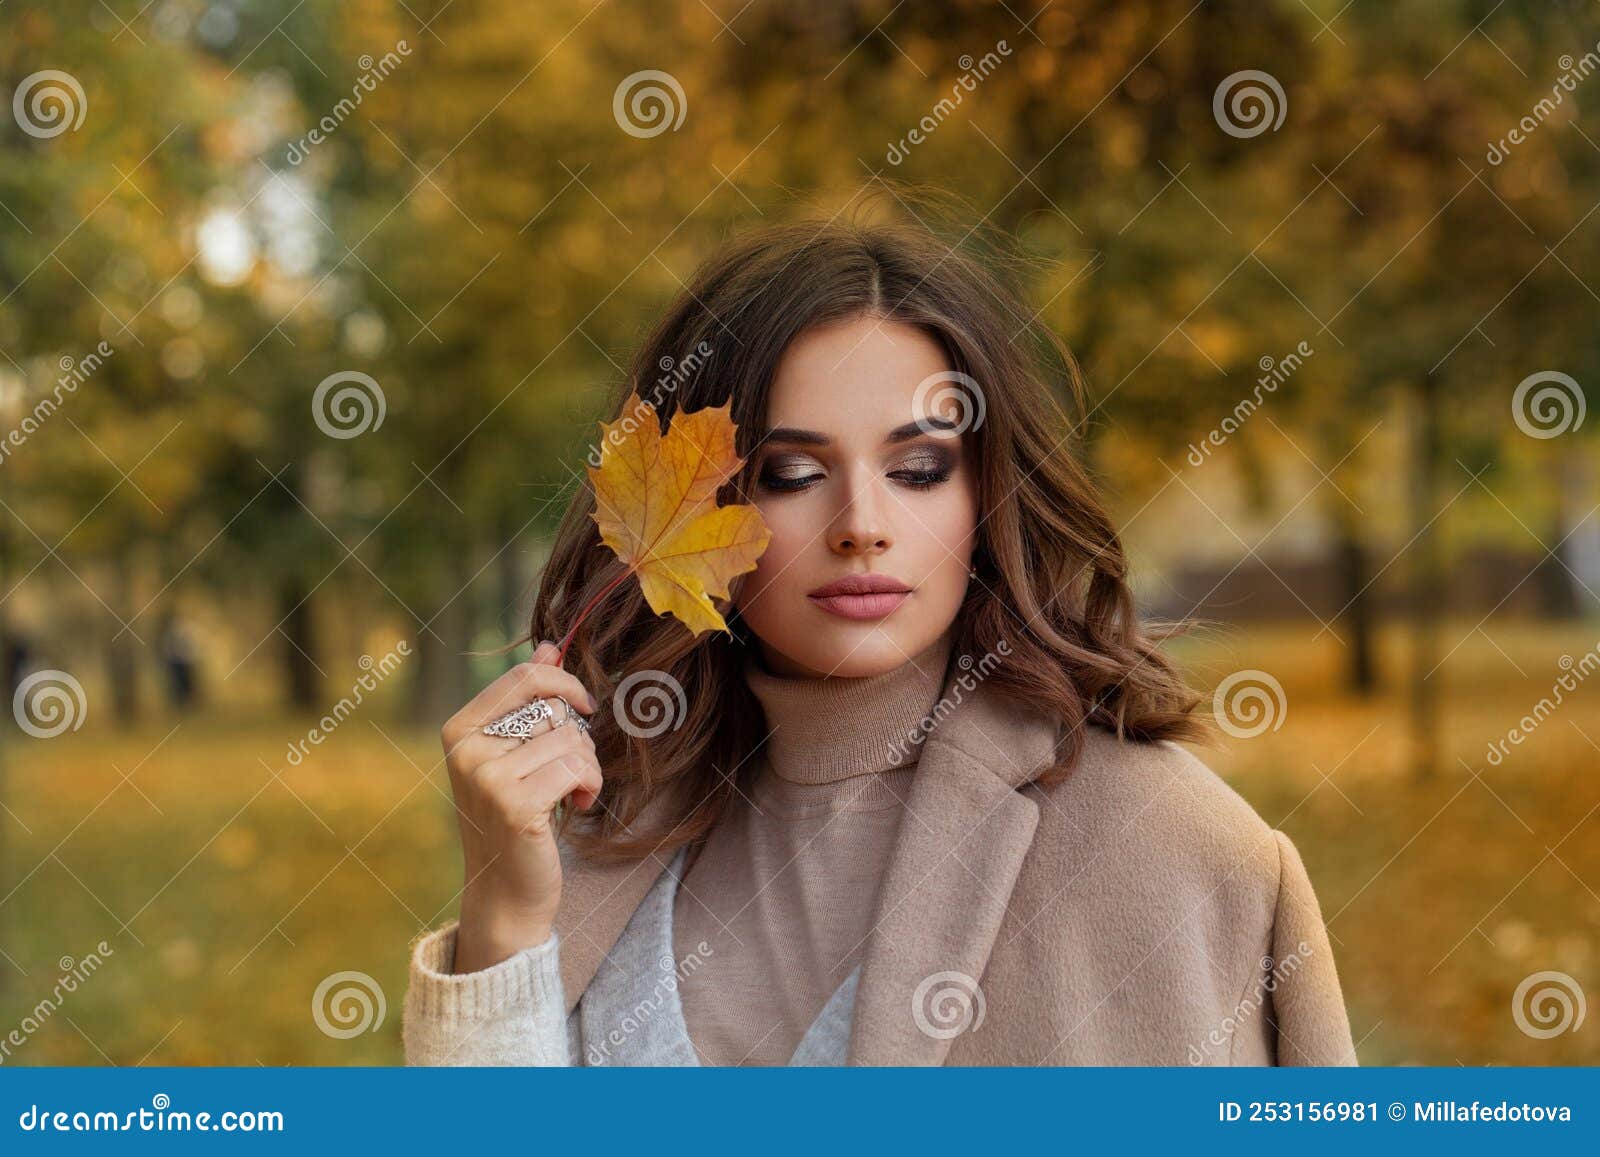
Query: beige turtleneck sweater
pixel 785 888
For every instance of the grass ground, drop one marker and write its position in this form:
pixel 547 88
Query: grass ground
pixel 228 883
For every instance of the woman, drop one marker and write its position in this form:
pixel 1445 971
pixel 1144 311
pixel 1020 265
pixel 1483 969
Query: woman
pixel 922 804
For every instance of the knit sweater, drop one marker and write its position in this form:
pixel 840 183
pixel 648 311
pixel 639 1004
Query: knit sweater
pixel 765 930
pixel 784 890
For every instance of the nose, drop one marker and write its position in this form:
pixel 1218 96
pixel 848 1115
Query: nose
pixel 860 527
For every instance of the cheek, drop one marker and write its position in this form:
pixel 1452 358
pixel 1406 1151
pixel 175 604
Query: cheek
pixel 780 563
pixel 947 525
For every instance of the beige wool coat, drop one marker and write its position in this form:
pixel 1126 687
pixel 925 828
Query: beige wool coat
pixel 1138 913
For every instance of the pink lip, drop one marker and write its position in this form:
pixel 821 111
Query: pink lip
pixel 861 596
pixel 873 606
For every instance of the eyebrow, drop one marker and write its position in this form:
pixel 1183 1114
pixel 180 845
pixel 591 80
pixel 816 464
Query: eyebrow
pixel 797 436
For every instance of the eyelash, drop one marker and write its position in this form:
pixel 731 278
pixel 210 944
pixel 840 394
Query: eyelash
pixel 916 479
pixel 922 479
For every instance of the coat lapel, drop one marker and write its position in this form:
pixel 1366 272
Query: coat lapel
pixel 961 843
pixel 956 857
pixel 597 901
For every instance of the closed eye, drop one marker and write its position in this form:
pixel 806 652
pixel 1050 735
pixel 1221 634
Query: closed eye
pixel 782 473
pixel 922 479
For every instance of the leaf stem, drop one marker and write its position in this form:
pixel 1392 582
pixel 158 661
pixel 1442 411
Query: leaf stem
pixel 566 640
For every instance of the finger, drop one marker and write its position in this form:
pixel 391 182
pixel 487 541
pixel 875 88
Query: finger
pixel 540 776
pixel 522 684
pixel 519 686
pixel 575 775
pixel 527 757
pixel 476 748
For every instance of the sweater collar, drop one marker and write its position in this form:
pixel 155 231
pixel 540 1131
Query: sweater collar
pixel 828 728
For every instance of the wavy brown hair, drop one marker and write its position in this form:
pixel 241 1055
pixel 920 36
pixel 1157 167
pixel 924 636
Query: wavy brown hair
pixel 1052 577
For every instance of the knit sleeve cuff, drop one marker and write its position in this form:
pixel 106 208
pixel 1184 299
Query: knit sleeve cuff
pixel 512 1012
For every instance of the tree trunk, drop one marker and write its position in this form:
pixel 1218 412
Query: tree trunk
pixel 121 655
pixel 1357 618
pixel 302 678
pixel 1427 593
pixel 443 680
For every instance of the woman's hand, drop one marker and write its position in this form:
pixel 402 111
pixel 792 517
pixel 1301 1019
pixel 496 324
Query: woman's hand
pixel 505 790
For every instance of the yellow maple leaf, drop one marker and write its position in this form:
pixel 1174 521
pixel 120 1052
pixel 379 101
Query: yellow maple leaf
pixel 656 508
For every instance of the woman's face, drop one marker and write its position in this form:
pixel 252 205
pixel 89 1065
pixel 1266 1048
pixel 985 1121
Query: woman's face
pixel 862 474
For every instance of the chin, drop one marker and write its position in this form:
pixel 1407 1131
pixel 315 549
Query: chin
pixel 848 650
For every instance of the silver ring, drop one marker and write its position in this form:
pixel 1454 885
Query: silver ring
pixel 522 723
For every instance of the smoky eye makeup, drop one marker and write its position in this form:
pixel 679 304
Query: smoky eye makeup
pixel 924 466
pixel 919 467
pixel 783 472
